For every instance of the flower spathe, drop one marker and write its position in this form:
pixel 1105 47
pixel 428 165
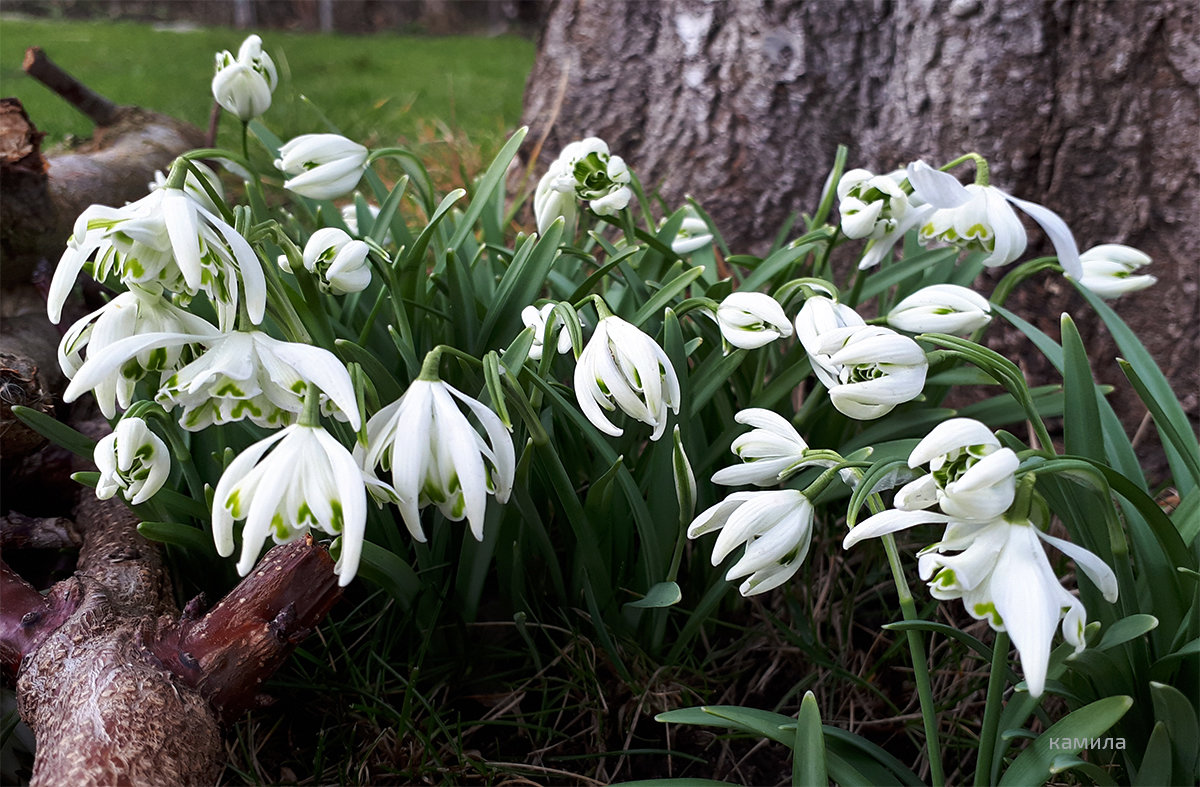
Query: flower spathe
pixel 338 261
pixel 981 218
pixel 133 460
pixel 322 166
pixel 776 528
pixel 941 308
pixel 433 454
pixel 1108 270
pixel 621 367
pixel 243 85
pixel 875 369
pixel 308 481
pixel 752 319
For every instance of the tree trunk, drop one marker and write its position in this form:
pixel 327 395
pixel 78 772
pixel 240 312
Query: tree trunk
pixel 1089 108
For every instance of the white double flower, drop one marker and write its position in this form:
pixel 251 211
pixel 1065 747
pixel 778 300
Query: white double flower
pixel 536 318
pixel 941 308
pixel 133 460
pixel 776 528
pixel 871 205
pixel 1109 270
pixel 876 369
pixel 971 476
pixel 434 455
pixel 621 367
pixel 338 261
pixel 585 170
pixel 307 481
pixel 322 166
pixel 752 319
pixel 243 85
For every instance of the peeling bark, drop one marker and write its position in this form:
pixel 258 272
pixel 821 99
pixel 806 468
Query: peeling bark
pixel 1089 108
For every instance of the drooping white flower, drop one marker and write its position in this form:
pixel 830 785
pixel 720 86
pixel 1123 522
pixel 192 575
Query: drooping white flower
pixel 133 460
pixel 308 481
pixel 241 375
pixel 1108 270
pixel 981 218
pixel 752 319
pixel 322 166
pixel 875 370
pixel 536 318
pixel 767 451
pixel 972 477
pixel 584 170
pixel 621 367
pixel 1001 572
pixel 941 308
pixel 434 455
pixel 693 233
pixel 168 239
pixel 243 85
pixel 133 313
pixel 818 317
pixel 776 528
pixel 871 205
pixel 338 261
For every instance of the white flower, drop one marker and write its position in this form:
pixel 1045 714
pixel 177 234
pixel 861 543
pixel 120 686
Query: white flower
pixel 1002 575
pixel 131 459
pixel 169 239
pixel 308 481
pixel 876 369
pixel 981 218
pixel 435 455
pixel 243 85
pixel 769 450
pixel 536 318
pixel 1108 270
pixel 871 205
pixel 622 367
pixel 242 374
pixel 816 319
pixel 971 476
pixel 350 217
pixel 693 233
pixel 584 170
pixel 941 308
pixel 752 319
pixel 322 166
pixel 130 314
pixel 338 261
pixel 776 528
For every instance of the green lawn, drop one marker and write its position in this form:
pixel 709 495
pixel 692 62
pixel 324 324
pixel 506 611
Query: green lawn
pixel 378 89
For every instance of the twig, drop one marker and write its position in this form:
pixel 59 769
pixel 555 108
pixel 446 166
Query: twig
pixel 101 111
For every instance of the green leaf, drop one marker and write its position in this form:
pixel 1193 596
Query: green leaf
pixel 808 752
pixel 56 431
pixel 386 385
pixel 1127 629
pixel 490 181
pixel 664 296
pixel 663 594
pixel 1070 762
pixel 983 650
pixel 387 211
pixel 1187 517
pixel 519 287
pixel 1033 766
pixel 880 476
pixel 416 254
pixel 1081 417
pixel 1186 446
pixel 681 782
pixel 1176 711
pixel 764 724
pixel 184 536
pixel 1155 769
pixel 388 571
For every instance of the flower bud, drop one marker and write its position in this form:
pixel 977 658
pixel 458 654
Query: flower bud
pixel 338 261
pixel 1108 270
pixel 322 166
pixel 941 308
pixel 871 205
pixel 131 459
pixel 243 85
pixel 752 319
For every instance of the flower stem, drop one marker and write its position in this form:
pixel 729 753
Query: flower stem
pixel 982 174
pixel 997 680
pixel 311 415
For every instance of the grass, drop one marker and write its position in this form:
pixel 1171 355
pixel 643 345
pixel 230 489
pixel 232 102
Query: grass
pixel 379 89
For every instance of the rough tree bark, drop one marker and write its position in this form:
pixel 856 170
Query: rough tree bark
pixel 1090 108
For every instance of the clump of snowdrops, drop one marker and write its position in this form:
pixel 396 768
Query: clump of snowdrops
pixel 353 357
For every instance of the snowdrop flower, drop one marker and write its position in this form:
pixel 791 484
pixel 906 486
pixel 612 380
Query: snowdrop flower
pixel 166 238
pixel 768 451
pixel 621 367
pixel 536 318
pixel 194 186
pixel 776 528
pixel 871 205
pixel 584 170
pixel 322 166
pixel 971 477
pixel 981 218
pixel 1108 270
pixel 435 455
pixel 941 308
pixel 243 85
pixel 338 261
pixel 818 317
pixel 131 459
pixel 875 368
pixel 241 374
pixel 693 233
pixel 752 319
pixel 1002 574
pixel 130 314
pixel 307 481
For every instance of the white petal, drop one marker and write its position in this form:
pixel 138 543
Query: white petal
pixel 890 521
pixel 1096 569
pixel 1058 232
pixel 939 189
pixel 948 436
